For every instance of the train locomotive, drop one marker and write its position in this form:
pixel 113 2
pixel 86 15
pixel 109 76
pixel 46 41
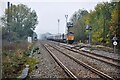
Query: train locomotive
pixel 70 37
pixel 64 38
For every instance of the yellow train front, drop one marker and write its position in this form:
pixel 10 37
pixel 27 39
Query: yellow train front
pixel 70 37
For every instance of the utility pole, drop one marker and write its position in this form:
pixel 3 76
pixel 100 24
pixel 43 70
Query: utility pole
pixel 66 31
pixel 58 30
pixel 104 26
pixel 11 12
pixel 8 20
pixel 8 15
pixel 58 25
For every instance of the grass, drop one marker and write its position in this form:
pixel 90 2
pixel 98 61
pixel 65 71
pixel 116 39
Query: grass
pixel 14 58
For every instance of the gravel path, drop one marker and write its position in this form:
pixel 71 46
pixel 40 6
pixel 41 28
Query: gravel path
pixel 106 68
pixel 78 70
pixel 47 67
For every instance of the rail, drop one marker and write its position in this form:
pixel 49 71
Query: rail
pixel 97 57
pixel 105 76
pixel 62 65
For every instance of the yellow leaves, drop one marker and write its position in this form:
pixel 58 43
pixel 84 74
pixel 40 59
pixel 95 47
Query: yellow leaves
pixel 115 16
pixel 114 21
pixel 19 53
pixel 31 62
pixel 29 46
pixel 97 37
pixel 112 29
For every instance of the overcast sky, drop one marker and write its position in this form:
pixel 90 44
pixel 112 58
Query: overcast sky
pixel 49 11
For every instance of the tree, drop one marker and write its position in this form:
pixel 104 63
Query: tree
pixel 79 25
pixel 105 22
pixel 19 20
pixel 115 22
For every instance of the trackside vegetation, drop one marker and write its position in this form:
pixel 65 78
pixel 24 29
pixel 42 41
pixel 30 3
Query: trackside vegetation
pixel 104 20
pixel 17 23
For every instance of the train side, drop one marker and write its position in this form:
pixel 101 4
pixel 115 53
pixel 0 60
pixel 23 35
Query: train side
pixel 64 38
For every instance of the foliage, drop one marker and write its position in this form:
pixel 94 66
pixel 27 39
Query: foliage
pixel 14 58
pixel 104 20
pixel 18 22
pixel 79 24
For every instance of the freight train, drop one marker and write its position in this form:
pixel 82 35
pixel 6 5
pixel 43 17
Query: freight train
pixel 65 38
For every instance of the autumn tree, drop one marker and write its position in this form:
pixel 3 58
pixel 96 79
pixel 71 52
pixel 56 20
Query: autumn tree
pixel 79 24
pixel 105 22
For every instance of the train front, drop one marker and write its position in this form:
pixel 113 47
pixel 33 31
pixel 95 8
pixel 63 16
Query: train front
pixel 70 37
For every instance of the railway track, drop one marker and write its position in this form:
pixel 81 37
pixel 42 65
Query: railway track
pixel 69 73
pixel 101 74
pixel 102 58
pixel 109 58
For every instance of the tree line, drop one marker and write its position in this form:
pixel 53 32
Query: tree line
pixel 104 20
pixel 18 22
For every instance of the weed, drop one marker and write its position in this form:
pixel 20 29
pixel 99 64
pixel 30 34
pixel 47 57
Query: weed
pixel 15 57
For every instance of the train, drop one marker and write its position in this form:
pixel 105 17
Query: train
pixel 64 38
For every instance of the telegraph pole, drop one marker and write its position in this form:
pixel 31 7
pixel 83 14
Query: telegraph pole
pixel 8 20
pixel 66 31
pixel 8 15
pixel 58 25
pixel 58 30
pixel 104 26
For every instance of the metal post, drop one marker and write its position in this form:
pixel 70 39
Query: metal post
pixel 66 16
pixel 8 24
pixel 58 25
pixel 11 12
pixel 8 20
pixel 8 16
pixel 89 37
pixel 58 30
pixel 114 48
pixel 114 43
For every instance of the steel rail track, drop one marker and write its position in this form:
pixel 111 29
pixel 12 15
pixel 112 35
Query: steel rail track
pixel 100 58
pixel 69 73
pixel 116 60
pixel 106 57
pixel 103 75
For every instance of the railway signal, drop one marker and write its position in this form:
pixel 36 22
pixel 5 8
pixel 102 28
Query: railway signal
pixel 89 28
pixel 114 43
pixel 69 24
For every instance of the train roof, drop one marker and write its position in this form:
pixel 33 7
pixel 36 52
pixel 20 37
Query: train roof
pixel 70 33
